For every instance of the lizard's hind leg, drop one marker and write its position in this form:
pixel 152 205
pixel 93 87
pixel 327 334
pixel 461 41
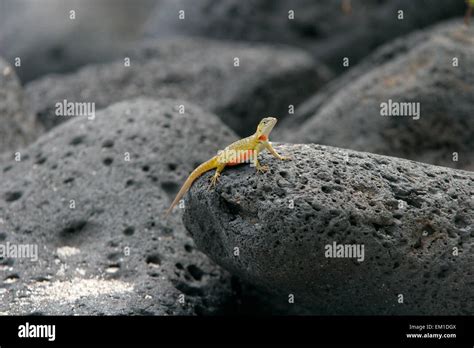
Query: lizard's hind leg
pixel 217 174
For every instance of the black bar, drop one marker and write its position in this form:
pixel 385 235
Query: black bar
pixel 242 329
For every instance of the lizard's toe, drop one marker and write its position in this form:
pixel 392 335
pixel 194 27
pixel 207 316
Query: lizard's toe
pixel 262 169
pixel 214 180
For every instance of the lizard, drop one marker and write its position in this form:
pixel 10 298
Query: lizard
pixel 240 151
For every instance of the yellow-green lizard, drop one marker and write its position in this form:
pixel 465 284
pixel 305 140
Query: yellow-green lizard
pixel 245 150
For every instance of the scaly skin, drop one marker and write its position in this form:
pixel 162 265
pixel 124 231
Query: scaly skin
pixel 241 151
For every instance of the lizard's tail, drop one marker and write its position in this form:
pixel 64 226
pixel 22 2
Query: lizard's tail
pixel 201 169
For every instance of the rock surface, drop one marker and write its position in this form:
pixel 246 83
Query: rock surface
pixel 199 71
pixel 321 27
pixel 348 112
pixel 76 197
pixel 17 127
pixel 414 220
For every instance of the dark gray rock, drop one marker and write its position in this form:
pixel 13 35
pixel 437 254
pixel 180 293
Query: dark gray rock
pixel 266 82
pixel 378 57
pixel 318 26
pixel 410 217
pixel 84 266
pixel 17 126
pixel 417 69
pixel 47 40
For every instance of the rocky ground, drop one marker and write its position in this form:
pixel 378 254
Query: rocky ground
pixel 90 192
pixel 92 195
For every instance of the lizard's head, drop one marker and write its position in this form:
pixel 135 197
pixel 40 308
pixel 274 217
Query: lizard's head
pixel 266 125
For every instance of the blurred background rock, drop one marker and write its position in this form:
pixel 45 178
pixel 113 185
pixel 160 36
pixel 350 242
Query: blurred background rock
pixel 42 34
pixel 329 30
pixel 47 40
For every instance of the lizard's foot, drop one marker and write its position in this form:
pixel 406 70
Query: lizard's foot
pixel 262 169
pixel 285 158
pixel 214 180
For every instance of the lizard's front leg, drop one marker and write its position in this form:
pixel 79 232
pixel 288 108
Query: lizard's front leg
pixel 270 148
pixel 256 163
